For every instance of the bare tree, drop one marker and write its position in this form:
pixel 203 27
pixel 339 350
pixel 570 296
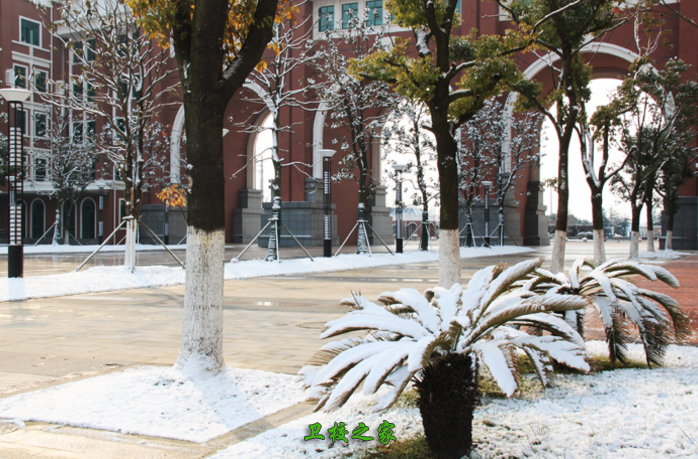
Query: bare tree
pixel 355 106
pixel 404 134
pixel 513 142
pixel 124 82
pixel 273 78
pixel 70 166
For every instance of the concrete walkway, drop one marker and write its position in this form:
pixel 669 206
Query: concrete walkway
pixel 270 324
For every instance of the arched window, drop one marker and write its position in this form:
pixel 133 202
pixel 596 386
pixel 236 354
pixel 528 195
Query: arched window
pixel 87 215
pixel 38 223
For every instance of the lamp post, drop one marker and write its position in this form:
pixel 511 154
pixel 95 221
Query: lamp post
pixel 399 169
pixel 487 185
pixel 327 199
pixel 15 109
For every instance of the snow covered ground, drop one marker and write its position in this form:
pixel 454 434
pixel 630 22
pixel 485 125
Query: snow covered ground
pixel 663 254
pixel 62 249
pixel 111 278
pixel 627 413
pixel 160 402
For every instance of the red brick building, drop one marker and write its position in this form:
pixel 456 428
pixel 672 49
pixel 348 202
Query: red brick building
pixel 27 49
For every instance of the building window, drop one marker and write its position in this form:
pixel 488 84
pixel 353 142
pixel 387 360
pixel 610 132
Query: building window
pixel 40 124
pixel 40 81
pixel 90 128
pixel 77 132
pixel 122 209
pixel 40 169
pixel 349 12
pixel 77 90
pixel 69 218
pixel 22 121
pixel 117 175
pixel 20 76
pixel 90 51
pixel 88 219
pixel 77 52
pixel 90 91
pixel 38 219
pixel 29 32
pixel 326 14
pixel 374 9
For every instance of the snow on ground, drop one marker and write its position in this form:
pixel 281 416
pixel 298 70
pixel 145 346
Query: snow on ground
pixel 160 402
pixel 663 254
pixel 63 249
pixel 111 278
pixel 626 413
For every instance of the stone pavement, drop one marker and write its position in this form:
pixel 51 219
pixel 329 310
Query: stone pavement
pixel 269 323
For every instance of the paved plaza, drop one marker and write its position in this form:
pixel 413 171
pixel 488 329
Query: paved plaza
pixel 270 324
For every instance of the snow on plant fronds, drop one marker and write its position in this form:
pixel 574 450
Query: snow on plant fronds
pixel 410 331
pixel 621 303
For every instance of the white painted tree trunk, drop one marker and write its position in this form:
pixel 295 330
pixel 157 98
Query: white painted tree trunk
pixel 202 325
pixel 558 262
pixel 57 229
pixel 361 240
pixel 669 241
pixel 130 247
pixel 449 258
pixel 650 241
pixel 634 245
pixel 599 247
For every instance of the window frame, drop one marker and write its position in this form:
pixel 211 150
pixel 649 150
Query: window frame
pixel 35 168
pixel 39 32
pixel 36 80
pixel 376 16
pixel 328 17
pixel 346 21
pixel 46 126
pixel 26 75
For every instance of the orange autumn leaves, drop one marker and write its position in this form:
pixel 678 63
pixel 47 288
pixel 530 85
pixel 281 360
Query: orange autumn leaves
pixel 173 196
pixel 159 17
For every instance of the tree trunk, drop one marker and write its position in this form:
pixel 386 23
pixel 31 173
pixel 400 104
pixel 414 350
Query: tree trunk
pixel 448 395
pixel 274 233
pixel 449 248
pixel 424 241
pixel 650 229
pixel 130 247
pixel 669 244
pixel 635 233
pixel 57 227
pixel 361 239
pixel 597 217
pixel 202 328
pixel 563 194
pixel 469 237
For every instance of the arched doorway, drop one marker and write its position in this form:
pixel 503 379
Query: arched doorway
pixel 88 217
pixel 38 219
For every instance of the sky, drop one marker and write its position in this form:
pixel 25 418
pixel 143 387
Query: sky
pixel 580 196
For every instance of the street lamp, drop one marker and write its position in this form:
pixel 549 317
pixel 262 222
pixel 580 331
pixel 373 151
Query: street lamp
pixel 399 169
pixel 487 185
pixel 327 201
pixel 15 175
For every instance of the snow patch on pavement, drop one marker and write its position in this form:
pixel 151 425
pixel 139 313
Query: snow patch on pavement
pixel 160 402
pixel 663 255
pixel 112 278
pixel 626 413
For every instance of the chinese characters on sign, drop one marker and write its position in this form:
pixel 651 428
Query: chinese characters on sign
pixel 338 432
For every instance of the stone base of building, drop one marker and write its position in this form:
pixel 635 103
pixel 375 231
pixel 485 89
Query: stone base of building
pixel 156 216
pixel 512 224
pixel 304 219
pixel 246 218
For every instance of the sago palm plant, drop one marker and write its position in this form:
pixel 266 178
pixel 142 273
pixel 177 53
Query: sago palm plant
pixel 437 340
pixel 621 303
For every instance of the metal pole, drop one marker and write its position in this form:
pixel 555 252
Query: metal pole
pixel 15 250
pixel 326 172
pixel 102 245
pixel 398 212
pixel 487 215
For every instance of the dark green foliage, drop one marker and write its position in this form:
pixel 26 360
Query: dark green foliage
pixel 448 395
